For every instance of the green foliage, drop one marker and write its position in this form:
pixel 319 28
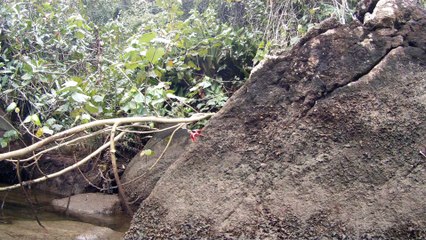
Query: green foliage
pixel 41 45
pixel 281 23
pixel 287 21
pixel 100 12
pixel 179 56
pixel 62 63
pixel 7 137
pixel 68 62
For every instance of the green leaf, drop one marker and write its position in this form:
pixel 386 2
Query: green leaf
pixel 39 132
pixel 139 98
pixel 36 120
pixel 153 54
pixel 76 79
pixel 85 118
pixel 11 134
pixel 27 119
pixel 70 84
pixel 79 34
pixel 5 71
pixel 147 37
pixel 26 76
pixel 98 98
pixel 147 152
pixel 50 121
pixel 192 65
pixel 203 52
pixel 131 65
pixel 57 127
pixel 47 130
pixel 205 84
pixel 158 73
pixel 11 107
pixel 80 98
pixel 47 6
pixel 92 109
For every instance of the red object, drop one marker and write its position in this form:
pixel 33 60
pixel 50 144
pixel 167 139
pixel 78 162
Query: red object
pixel 194 134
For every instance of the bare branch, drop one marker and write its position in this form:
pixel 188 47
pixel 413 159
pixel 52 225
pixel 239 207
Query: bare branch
pixel 60 145
pixel 65 170
pixel 35 146
pixel 121 192
pixel 167 146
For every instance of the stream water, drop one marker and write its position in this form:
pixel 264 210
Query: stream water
pixel 15 208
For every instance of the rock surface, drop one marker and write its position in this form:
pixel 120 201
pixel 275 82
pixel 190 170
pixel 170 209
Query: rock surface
pixel 30 230
pixel 323 142
pixel 88 204
pixel 139 179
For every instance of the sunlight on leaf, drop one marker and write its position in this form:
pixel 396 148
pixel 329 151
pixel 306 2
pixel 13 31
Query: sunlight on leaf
pixel 39 132
pixel 80 98
pixel 147 37
pixel 11 107
pixel 153 54
pixel 147 152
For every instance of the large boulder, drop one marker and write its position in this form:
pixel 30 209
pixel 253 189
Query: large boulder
pixel 323 142
pixel 144 171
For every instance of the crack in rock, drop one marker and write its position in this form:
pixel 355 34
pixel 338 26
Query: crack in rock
pixel 355 79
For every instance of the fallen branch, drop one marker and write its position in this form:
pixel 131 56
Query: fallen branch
pixel 60 145
pixel 65 170
pixel 116 122
pixel 112 121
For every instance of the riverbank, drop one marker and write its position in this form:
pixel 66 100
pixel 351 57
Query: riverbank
pixel 17 220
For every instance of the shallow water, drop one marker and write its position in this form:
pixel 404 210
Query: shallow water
pixel 16 208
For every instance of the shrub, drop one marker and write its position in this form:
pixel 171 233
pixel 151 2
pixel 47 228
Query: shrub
pixel 59 68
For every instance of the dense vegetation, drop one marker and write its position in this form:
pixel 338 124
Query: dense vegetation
pixel 64 63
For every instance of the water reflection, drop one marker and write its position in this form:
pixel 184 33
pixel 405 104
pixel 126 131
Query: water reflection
pixel 14 207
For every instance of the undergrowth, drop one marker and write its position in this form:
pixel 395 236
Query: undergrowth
pixel 64 63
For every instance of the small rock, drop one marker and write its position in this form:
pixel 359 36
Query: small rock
pixel 30 230
pixel 89 204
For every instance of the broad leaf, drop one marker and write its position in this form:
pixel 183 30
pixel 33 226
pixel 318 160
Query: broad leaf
pixel 36 120
pixel 153 54
pixel 92 109
pixel 80 98
pixel 147 37
pixel 11 107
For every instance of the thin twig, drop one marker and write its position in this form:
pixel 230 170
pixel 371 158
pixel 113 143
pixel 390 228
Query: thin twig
pixel 65 170
pixel 112 151
pixel 158 159
pixel 3 201
pixel 85 178
pixel 27 197
pixel 167 146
